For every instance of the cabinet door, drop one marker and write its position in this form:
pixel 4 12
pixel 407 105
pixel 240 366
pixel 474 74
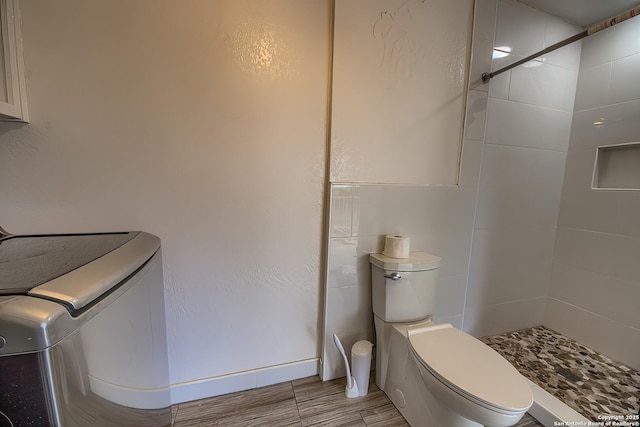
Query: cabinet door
pixel 13 102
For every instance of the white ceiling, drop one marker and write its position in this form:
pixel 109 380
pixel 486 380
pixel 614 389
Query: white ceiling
pixel 583 12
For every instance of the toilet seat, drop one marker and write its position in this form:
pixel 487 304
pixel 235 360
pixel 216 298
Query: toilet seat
pixel 470 368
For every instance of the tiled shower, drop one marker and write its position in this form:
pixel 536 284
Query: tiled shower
pixel 524 239
pixel 595 276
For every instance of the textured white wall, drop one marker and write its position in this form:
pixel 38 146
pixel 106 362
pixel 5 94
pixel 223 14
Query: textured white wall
pixel 399 89
pixel 527 135
pixel 595 279
pixel 202 122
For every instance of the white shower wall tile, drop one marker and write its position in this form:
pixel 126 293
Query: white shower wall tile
pixel 511 246
pixel 341 210
pixel 519 27
pixel 608 254
pixel 510 123
pixel 350 310
pixel 582 249
pixel 480 63
pixel 625 40
pixel 627 212
pixel 453 246
pixel 519 187
pixel 450 208
pixel 613 212
pixel 476 115
pixel 596 50
pixel 498 318
pixel 558 30
pixel 509 272
pixel 413 210
pixel 544 85
pixel 342 266
pixel 554 128
pixel 499 283
pixel 524 125
pixel 499 86
pixel 450 296
pixel 567 57
pixel 610 124
pixel 390 209
pixel 367 219
pixel 593 86
pixel 529 117
pixel 592 210
pixel 615 44
pixel 471 161
pixel 579 170
pixel 484 23
pixel 594 282
pixel 625 85
pixel 592 291
pixel 355 211
pixel 368 245
pixel 615 339
pixel 548 81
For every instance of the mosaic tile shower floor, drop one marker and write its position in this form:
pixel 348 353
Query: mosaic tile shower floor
pixel 587 381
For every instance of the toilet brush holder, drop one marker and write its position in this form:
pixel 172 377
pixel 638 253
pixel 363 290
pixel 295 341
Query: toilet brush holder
pixel 352 387
pixel 361 364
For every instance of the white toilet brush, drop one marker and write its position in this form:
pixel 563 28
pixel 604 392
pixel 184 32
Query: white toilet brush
pixel 352 387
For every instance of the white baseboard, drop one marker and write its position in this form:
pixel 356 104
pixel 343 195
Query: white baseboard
pixel 550 411
pixel 216 386
pixel 139 398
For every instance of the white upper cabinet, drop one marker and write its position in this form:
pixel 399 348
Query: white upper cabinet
pixel 13 99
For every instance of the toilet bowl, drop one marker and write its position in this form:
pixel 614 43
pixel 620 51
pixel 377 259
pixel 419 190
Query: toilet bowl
pixel 436 375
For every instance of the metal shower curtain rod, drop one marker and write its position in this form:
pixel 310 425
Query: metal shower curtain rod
pixel 592 30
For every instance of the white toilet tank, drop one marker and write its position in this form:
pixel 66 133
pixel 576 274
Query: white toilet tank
pixel 404 289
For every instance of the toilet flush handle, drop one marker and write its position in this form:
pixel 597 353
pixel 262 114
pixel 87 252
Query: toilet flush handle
pixel 393 276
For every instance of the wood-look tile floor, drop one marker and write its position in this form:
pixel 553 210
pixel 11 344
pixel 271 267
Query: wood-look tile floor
pixel 305 402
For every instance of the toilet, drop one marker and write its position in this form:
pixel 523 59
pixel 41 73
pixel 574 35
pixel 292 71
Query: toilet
pixel 436 375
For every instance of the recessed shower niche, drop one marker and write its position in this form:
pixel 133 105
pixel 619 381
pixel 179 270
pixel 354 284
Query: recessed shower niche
pixel 617 167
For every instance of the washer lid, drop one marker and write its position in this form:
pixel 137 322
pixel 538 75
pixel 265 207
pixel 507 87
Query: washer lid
pixel 29 261
pixel 79 288
pixel 470 367
pixel 417 261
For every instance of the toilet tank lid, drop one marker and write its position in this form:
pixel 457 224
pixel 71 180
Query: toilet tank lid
pixel 417 261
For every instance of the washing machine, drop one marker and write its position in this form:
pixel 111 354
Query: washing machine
pixel 82 331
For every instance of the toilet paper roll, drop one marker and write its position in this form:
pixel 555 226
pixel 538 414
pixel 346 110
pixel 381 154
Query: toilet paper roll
pixel 396 246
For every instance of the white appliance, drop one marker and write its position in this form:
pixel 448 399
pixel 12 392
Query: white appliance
pixel 82 331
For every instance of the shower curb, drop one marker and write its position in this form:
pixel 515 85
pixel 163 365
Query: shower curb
pixel 551 411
